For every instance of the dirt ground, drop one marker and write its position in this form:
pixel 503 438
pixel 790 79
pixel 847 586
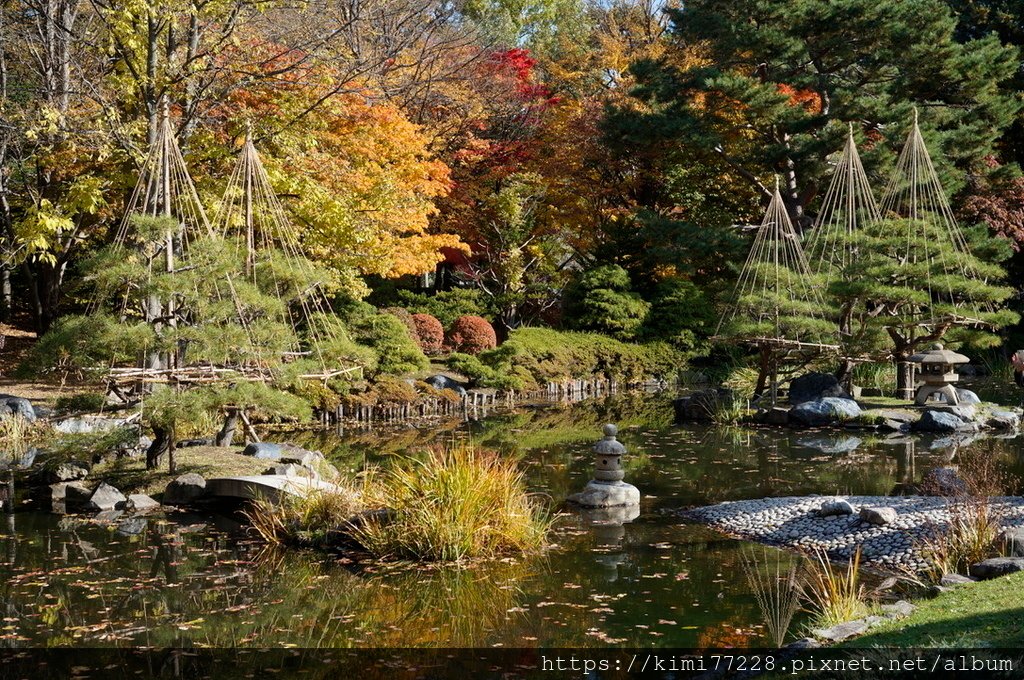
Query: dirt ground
pixel 17 343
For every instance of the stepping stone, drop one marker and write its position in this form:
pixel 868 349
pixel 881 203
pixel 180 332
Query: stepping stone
pixel 996 567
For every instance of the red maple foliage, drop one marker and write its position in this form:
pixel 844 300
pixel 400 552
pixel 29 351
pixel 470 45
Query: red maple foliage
pixel 472 335
pixel 429 333
pixel 1000 206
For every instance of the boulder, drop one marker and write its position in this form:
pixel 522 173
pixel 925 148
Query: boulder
pixel 443 382
pixel 840 632
pixel 307 459
pixel 898 610
pixel 11 405
pixel 815 386
pixel 996 567
pixel 104 497
pixel 140 502
pixel 878 516
pixel 999 419
pixel 132 526
pixel 70 471
pixel 836 506
pixel 943 481
pixel 823 412
pixel 933 420
pixel 89 424
pixel 185 489
pixel 76 495
pixel 1011 540
pixel 950 580
pixel 275 452
pixel 290 470
pixel 831 444
pixel 967 397
pixel 777 415
pixel 188 443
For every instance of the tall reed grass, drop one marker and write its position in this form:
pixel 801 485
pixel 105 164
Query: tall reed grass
pixel 458 502
pixel 776 589
pixel 834 595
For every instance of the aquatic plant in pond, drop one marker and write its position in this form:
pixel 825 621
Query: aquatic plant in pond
pixel 834 595
pixel 459 502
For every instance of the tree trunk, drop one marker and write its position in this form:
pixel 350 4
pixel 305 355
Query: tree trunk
pixel 904 379
pixel 763 372
pixel 227 433
pixel 161 444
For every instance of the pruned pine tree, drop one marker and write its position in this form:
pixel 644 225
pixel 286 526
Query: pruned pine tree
pixel 918 277
pixel 777 305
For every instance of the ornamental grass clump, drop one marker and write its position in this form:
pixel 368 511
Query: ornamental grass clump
pixel 456 503
pixel 833 595
pixel 307 519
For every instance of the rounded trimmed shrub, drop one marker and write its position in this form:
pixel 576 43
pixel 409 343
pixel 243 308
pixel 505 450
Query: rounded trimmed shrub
pixel 429 332
pixel 471 335
pixel 404 316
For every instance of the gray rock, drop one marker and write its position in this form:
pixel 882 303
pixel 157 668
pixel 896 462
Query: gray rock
pixel 777 415
pixel 185 489
pixel 104 497
pixel 76 495
pixel 950 580
pixel 108 515
pixel 831 444
pixel 967 397
pixel 878 516
pixel 11 405
pixel 813 387
pixel 308 459
pixel 1011 540
pixel 843 630
pixel 898 610
pixel 290 470
pixel 604 495
pixel 443 382
pixel 276 452
pixel 934 420
pixel 189 443
pixel 999 419
pixel 133 526
pixel 823 412
pixel 835 507
pixel 996 567
pixel 140 502
pixel 803 643
pixel 88 424
pixel 70 471
pixel 943 481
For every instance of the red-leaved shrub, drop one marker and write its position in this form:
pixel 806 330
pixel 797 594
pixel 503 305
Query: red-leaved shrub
pixel 471 335
pixel 429 333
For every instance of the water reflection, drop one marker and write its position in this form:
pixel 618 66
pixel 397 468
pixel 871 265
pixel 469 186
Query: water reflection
pixel 640 580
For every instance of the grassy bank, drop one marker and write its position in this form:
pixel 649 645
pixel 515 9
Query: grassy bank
pixel 986 614
pixel 131 476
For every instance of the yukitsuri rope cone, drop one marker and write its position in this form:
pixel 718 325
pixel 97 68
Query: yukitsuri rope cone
pixel 777 305
pixel 252 216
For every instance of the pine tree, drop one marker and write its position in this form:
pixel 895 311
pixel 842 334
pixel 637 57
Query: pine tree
pixel 779 79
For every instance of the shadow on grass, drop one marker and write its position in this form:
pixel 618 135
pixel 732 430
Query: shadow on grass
pixel 1001 628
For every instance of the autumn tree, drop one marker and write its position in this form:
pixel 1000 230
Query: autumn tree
pixel 779 76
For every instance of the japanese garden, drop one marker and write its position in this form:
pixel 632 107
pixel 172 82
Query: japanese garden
pixel 510 325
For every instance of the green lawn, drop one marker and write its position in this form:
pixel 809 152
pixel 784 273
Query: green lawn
pixel 986 614
pixel 131 476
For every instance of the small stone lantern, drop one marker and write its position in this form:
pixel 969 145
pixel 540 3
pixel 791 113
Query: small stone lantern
pixel 938 372
pixel 607 489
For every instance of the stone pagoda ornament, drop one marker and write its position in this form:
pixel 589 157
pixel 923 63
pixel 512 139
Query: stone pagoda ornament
pixel 938 373
pixel 606 489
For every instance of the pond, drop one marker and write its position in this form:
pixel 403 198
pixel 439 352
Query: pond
pixel 178 580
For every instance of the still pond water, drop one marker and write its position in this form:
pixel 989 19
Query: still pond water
pixel 178 581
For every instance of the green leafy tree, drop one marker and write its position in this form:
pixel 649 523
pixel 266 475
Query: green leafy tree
pixel 777 79
pixel 905 298
pixel 600 300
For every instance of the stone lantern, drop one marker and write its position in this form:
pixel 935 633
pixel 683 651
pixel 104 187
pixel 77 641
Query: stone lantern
pixel 606 489
pixel 938 372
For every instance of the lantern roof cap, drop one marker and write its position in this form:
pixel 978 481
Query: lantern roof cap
pixel 609 445
pixel 938 355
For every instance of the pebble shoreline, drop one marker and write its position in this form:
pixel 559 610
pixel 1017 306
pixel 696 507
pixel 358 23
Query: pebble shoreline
pixel 791 522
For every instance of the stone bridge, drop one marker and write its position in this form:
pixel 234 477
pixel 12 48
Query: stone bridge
pixel 267 487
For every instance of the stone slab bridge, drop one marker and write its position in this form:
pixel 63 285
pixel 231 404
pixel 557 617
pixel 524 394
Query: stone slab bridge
pixel 271 488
